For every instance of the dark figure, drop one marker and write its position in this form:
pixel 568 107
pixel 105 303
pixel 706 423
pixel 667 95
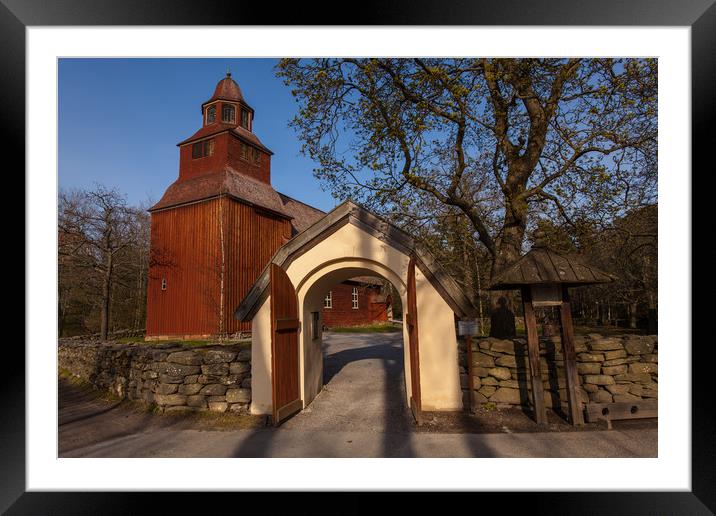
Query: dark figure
pixel 502 321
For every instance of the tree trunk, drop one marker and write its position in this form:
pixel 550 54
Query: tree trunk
pixel 106 295
pixel 632 315
pixel 509 249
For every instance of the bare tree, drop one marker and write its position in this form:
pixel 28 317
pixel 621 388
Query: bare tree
pixel 99 237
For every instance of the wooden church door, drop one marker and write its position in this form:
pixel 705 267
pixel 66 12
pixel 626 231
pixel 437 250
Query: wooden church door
pixel 284 346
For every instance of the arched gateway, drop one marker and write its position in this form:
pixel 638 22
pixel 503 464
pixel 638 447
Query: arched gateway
pixel 284 307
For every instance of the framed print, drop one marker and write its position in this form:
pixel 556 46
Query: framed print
pixel 110 81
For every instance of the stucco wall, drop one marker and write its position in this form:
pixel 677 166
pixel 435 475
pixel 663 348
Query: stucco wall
pixel 351 252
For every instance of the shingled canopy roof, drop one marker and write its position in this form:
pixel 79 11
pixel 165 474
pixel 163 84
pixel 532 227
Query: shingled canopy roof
pixel 542 265
pixel 350 213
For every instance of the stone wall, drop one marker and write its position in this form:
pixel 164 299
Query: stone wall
pixel 610 369
pixel 169 376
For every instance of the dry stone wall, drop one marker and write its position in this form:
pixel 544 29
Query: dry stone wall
pixel 610 369
pixel 171 377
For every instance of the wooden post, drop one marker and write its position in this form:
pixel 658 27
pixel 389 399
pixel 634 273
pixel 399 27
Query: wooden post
pixel 570 360
pixel 533 353
pixel 470 380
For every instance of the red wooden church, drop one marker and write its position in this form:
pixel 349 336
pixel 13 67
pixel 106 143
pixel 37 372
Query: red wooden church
pixel 218 225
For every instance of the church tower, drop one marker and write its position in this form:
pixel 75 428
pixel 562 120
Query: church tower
pixel 217 225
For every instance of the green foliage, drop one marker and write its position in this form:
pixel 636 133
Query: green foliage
pixel 371 328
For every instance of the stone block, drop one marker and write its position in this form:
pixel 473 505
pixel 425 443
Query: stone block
pixel 644 367
pixel 482 360
pixel 612 370
pixel 589 368
pixel 489 380
pixel 617 353
pixel 216 356
pixel 503 346
pixel 501 373
pixel 239 367
pixel 166 388
pixel 172 369
pixel 506 395
pixel 512 384
pixel 218 406
pixel 170 399
pixel 633 377
pixel 590 357
pixel 506 361
pixel 244 355
pixel 618 388
pixel 480 371
pixel 600 397
pixel 636 345
pixel 190 388
pixel 487 390
pixel 196 400
pixel 238 396
pixel 216 369
pixel 213 389
pixel 168 378
pixel 605 345
pixel 598 379
pixel 184 357
pixel 651 357
pixel 239 408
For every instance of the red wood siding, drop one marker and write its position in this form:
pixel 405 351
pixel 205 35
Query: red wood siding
pixel 186 251
pixel 227 152
pixel 343 314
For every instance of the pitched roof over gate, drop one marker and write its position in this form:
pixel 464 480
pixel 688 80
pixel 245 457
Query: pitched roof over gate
pixel 350 213
pixel 542 265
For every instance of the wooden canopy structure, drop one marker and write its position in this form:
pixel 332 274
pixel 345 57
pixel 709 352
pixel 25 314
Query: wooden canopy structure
pixel 543 266
pixel 544 276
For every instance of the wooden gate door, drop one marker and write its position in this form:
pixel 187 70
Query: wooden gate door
pixel 411 318
pixel 284 346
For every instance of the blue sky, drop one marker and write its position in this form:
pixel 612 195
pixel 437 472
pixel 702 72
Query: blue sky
pixel 120 121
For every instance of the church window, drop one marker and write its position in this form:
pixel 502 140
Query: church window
pixel 228 114
pixel 328 301
pixel 202 149
pixel 211 114
pixel 244 119
pixel 256 155
pixel 244 151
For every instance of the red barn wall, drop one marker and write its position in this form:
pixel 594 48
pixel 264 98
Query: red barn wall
pixel 343 314
pixel 186 251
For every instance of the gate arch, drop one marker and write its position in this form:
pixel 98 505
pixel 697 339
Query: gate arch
pixel 347 242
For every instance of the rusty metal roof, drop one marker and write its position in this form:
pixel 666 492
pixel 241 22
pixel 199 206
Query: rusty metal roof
pixel 227 89
pixel 542 265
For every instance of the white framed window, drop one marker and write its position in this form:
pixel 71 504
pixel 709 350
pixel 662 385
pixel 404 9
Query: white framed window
pixel 328 301
pixel 164 283
pixel 354 298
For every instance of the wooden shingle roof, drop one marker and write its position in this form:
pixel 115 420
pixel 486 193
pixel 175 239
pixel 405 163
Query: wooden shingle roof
pixel 542 265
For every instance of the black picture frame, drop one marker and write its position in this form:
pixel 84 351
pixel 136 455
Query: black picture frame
pixel 700 15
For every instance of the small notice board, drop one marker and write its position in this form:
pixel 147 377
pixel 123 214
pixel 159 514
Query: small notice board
pixel 469 327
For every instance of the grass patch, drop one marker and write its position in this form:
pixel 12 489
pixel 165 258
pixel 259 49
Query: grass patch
pixel 371 328
pixel 243 343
